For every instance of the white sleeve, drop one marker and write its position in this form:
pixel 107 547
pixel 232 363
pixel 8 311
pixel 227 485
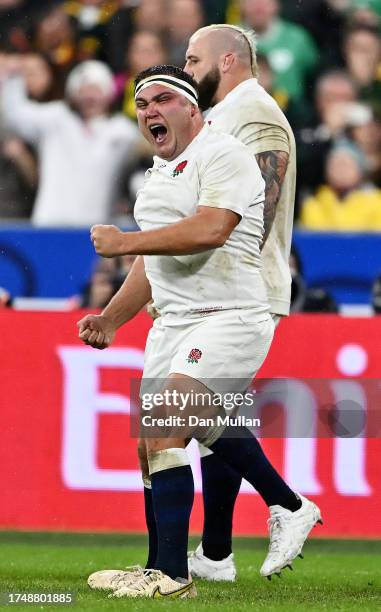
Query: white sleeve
pixel 231 179
pixel 27 118
pixel 259 138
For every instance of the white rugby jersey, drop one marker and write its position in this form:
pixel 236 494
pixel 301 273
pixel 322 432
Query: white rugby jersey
pixel 250 114
pixel 214 170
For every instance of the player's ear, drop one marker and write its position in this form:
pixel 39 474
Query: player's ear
pixel 194 110
pixel 227 62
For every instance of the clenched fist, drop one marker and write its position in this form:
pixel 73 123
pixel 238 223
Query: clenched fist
pixel 96 330
pixel 108 240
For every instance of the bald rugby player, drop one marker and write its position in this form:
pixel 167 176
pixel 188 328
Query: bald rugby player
pixel 222 60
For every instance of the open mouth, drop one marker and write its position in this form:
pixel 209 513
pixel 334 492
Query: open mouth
pixel 158 132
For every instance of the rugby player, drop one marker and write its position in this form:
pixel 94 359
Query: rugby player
pixel 201 215
pixel 222 59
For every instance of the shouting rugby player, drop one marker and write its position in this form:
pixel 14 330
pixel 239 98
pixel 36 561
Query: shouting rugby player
pixel 201 215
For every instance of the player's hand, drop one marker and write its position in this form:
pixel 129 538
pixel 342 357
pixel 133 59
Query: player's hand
pixel 96 331
pixel 107 240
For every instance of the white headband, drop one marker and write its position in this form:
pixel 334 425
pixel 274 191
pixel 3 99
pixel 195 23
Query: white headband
pixel 182 87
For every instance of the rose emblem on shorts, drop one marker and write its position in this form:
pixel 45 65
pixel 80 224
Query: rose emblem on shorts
pixel 180 168
pixel 194 356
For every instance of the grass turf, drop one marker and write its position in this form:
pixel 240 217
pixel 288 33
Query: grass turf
pixel 335 575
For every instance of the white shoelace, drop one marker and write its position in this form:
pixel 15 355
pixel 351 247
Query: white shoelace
pixel 118 581
pixel 276 525
pixel 148 577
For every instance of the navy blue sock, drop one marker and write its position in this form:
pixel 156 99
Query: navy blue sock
pixel 151 528
pixel 172 494
pixel 242 451
pixel 220 487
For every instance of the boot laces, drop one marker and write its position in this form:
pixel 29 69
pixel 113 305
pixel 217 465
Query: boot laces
pixel 277 525
pixel 118 581
pixel 149 576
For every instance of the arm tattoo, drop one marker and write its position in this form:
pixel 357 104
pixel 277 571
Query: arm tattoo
pixel 273 166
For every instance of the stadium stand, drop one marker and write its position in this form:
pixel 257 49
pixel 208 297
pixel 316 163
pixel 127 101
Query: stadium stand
pixel 68 455
pixel 320 59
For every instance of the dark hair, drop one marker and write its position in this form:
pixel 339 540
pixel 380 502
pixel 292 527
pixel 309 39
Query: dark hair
pixel 169 70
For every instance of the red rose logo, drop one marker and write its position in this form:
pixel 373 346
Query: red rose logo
pixel 194 356
pixel 180 168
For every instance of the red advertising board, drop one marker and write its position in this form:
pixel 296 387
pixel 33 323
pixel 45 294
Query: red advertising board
pixel 67 461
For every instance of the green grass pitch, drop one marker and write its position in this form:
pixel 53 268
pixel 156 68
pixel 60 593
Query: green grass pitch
pixel 334 575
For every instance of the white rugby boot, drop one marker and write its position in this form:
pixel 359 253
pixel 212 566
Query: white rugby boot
pixel 156 585
pixel 288 532
pixel 201 567
pixel 110 580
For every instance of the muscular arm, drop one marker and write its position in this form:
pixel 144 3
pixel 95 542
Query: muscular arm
pixel 209 228
pixel 133 295
pixel 273 166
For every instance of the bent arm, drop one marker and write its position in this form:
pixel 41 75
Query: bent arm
pixel 133 295
pixel 208 229
pixel 221 206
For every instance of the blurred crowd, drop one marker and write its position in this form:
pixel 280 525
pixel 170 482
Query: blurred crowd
pixel 70 151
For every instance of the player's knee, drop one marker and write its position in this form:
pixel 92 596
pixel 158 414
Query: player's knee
pixel 166 459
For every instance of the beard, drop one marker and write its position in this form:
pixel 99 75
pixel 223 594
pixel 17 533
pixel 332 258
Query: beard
pixel 207 88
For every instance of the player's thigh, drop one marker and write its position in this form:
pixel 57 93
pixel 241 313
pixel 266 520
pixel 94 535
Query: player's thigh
pixel 225 352
pixel 186 409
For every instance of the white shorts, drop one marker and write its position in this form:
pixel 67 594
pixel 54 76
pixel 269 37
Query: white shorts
pixel 204 451
pixel 223 350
